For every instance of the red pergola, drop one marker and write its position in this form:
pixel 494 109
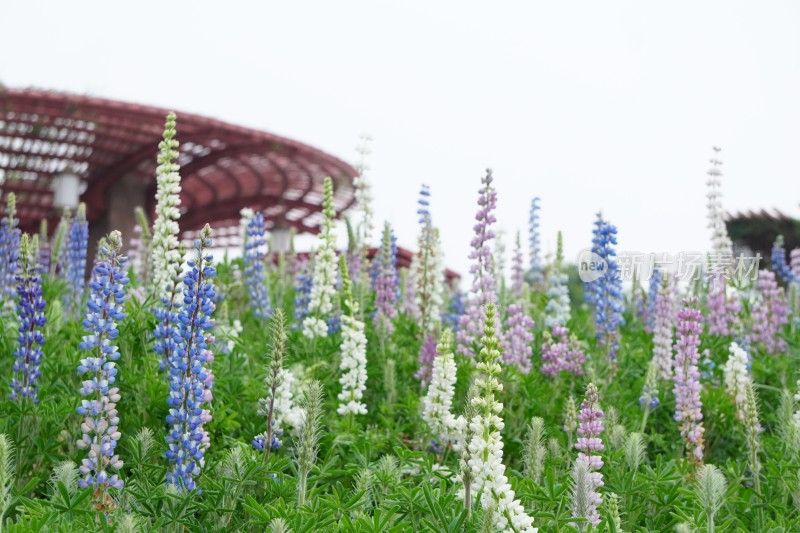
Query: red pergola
pixel 224 167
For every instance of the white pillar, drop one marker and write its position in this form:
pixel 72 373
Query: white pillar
pixel 280 239
pixel 66 190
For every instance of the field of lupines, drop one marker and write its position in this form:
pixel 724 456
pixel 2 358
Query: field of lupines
pixel 178 390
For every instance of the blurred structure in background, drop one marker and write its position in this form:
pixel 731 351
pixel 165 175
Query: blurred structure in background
pixel 753 233
pixel 58 149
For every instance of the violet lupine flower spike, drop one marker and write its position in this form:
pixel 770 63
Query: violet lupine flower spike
pixel 561 352
pixel 590 427
pixel 688 406
pixel 385 287
pixel 323 288
pixel 486 445
pixel 664 315
pixel 100 426
pixel 9 253
pixel 723 312
pixel 427 355
pixel 770 313
pixel 607 289
pixel 517 338
pixel 535 269
pixel 779 264
pixel 482 269
pixel 517 272
pixel 649 308
pixel 255 264
pixel 76 243
pixel 189 378
pixel 30 315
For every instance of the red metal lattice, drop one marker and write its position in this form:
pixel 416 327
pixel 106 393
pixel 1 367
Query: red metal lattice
pixel 224 167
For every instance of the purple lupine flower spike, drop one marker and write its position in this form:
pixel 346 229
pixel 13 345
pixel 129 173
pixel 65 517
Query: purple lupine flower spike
pixel 517 339
pixel 385 286
pixel 770 313
pixel 590 428
pixel 190 379
pixel 30 315
pixel 100 426
pixel 688 406
pixel 482 269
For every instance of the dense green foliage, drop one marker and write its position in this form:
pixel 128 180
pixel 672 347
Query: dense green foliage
pixel 377 472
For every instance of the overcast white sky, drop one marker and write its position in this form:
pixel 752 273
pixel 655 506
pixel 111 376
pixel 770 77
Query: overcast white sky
pixel 610 106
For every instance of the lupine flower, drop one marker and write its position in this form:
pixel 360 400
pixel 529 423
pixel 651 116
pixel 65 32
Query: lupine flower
pixel 723 312
pixel 100 426
pixel 590 289
pixel 44 249
pixel 452 316
pixel 607 291
pixel 721 244
pixel 483 284
pixel 302 291
pixel 688 406
pixel 374 268
pixel 273 383
pixel 517 271
pixel 9 251
pixel 323 288
pixel 561 352
pixel 557 310
pixel 590 428
pixel 517 339
pixel 664 315
pixel 535 269
pixel 779 265
pixel 254 265
pixel 427 354
pixel 649 311
pixel 189 378
pixel 354 355
pixel 770 313
pixel 427 271
pixel 167 313
pixel 363 201
pixel 245 215
pixel 385 286
pixel 31 319
pixel 737 377
pixel 165 252
pixel 438 402
pixel 795 264
pixel 76 243
pixel 486 445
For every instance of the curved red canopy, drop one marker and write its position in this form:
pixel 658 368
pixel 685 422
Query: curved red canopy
pixel 224 167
